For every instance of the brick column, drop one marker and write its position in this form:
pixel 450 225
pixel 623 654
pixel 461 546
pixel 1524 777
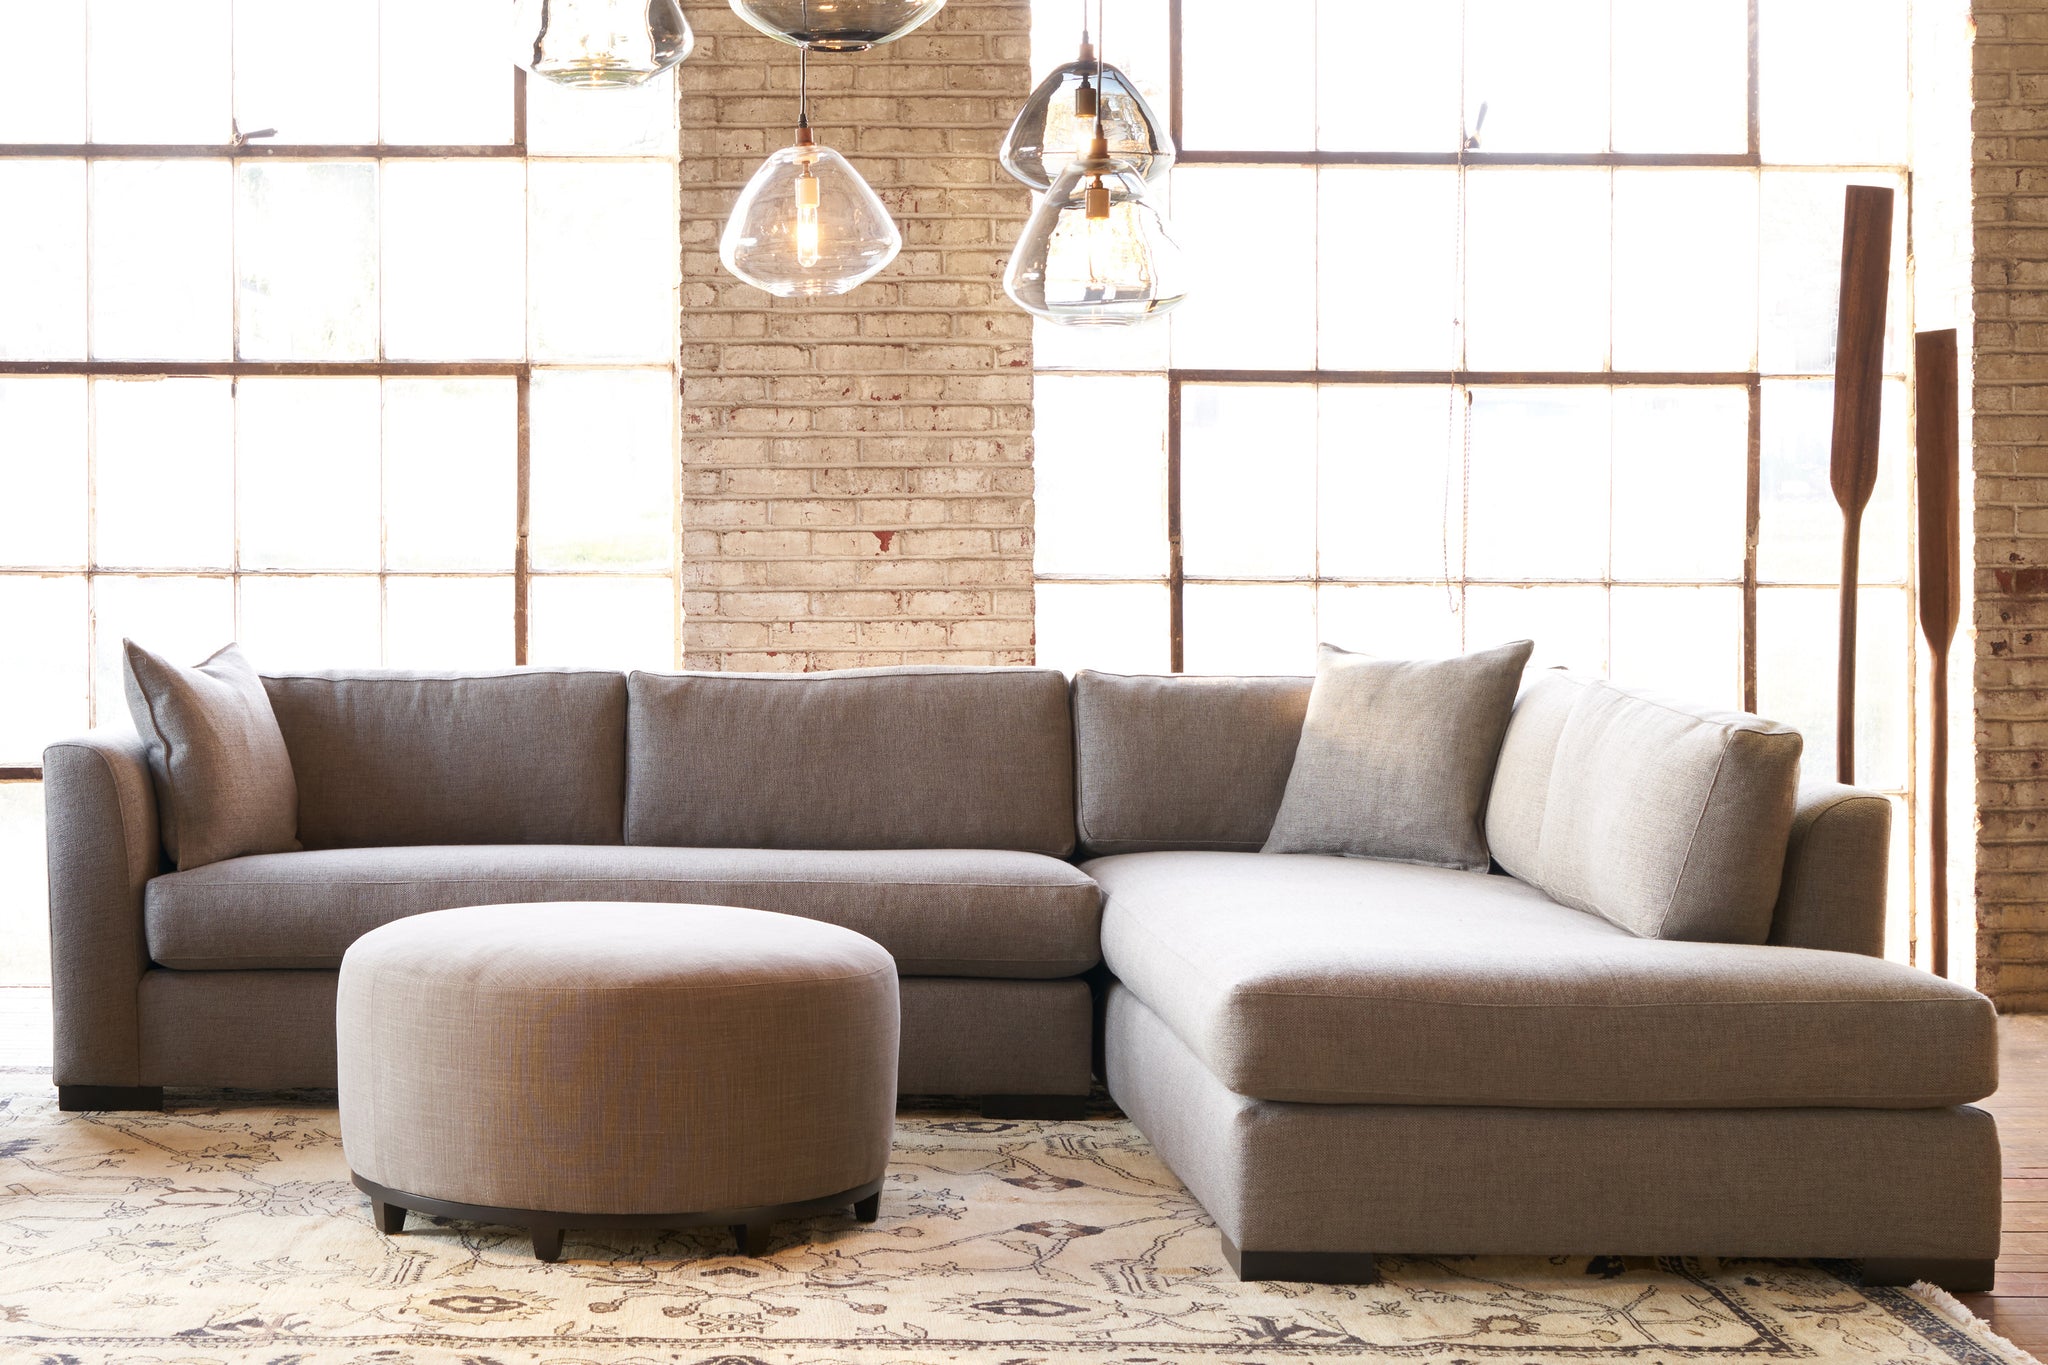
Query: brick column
pixel 857 470
pixel 2009 402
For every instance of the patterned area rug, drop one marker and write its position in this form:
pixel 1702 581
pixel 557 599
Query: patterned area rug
pixel 231 1234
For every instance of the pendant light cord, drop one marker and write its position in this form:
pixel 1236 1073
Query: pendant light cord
pixel 803 86
pixel 1101 21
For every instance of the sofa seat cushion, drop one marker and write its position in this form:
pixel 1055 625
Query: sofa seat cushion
pixel 945 912
pixel 1336 980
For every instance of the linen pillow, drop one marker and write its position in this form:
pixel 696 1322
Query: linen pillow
pixel 224 785
pixel 1396 757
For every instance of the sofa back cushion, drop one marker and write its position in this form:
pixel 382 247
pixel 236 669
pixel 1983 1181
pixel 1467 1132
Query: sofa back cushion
pixel 874 758
pixel 1183 762
pixel 525 756
pixel 1668 819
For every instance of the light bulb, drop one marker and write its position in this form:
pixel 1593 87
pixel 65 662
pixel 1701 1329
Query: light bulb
pixel 1096 252
pixel 807 253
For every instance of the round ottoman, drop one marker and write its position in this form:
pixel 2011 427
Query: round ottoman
pixel 597 1065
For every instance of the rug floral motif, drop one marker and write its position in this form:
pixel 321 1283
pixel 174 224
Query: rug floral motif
pixel 228 1232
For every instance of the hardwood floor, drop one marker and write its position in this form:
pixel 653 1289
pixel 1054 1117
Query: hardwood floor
pixel 2017 1309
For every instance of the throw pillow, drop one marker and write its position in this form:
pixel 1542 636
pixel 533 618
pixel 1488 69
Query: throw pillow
pixel 224 785
pixel 1396 757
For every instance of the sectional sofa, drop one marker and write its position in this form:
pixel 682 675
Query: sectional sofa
pixel 1661 1025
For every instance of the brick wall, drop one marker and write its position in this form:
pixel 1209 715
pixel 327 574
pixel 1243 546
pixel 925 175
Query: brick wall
pixel 857 471
pixel 2009 194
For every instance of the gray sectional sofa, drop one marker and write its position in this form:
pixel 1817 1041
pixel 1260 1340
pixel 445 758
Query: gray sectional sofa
pixel 1662 1026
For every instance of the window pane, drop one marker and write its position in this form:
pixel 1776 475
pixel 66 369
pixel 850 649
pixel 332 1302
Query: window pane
pixel 450 473
pixel 1681 476
pixel 164 473
pixel 1797 630
pixel 309 623
pixel 309 71
pixel 454 260
pixel 446 76
pixel 447 622
pixel 1539 72
pixel 42 477
pixel 603 470
pixel 1568 625
pixel 1237 96
pixel 1388 280
pixel 1800 524
pixel 183 619
pixel 44 100
pixel 603 622
pixel 306 260
pixel 43 668
pixel 637 121
pixel 1800 271
pixel 1253 231
pixel 1388 482
pixel 1262 629
pixel 24 889
pixel 1537 269
pixel 1248 480
pixel 159 72
pixel 1682 642
pixel 1681 76
pixel 1413 621
pixel 1833 80
pixel 307 468
pixel 1538 504
pixel 1100 474
pixel 1116 627
pixel 1142 347
pixel 1387 78
pixel 162 276
pixel 1684 270
pixel 602 260
pixel 42 260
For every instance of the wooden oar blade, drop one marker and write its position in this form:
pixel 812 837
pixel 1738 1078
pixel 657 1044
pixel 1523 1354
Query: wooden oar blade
pixel 1937 439
pixel 1859 343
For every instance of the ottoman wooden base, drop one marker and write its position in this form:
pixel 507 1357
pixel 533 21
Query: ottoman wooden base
pixel 749 1226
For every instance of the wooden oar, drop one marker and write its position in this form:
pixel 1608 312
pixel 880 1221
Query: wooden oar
pixel 1937 440
pixel 1859 391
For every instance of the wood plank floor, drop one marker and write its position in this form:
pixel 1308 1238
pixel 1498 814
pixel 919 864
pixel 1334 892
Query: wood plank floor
pixel 2017 1309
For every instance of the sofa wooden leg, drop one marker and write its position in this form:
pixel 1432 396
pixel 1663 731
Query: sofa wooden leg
pixel 1054 1108
pixel 547 1243
pixel 389 1217
pixel 1957 1277
pixel 80 1099
pixel 869 1209
pixel 1302 1267
pixel 752 1238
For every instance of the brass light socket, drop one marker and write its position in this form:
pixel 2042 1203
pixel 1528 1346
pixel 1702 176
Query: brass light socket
pixel 1098 201
pixel 1084 100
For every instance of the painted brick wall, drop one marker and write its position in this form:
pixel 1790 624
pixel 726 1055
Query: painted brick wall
pixel 2009 194
pixel 857 471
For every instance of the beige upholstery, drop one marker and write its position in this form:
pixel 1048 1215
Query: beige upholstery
pixel 520 756
pixel 1832 894
pixel 941 912
pixel 1338 980
pixel 1667 818
pixel 617 1059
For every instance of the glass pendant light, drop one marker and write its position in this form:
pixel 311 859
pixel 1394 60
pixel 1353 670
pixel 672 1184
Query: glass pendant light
pixel 836 25
pixel 600 44
pixel 1096 252
pixel 807 225
pixel 1057 122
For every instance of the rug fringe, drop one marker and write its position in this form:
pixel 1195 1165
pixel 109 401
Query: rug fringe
pixel 1944 1302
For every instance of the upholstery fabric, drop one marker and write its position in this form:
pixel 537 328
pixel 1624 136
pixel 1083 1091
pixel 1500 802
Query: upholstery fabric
pixel 1396 756
pixel 274 1030
pixel 1182 761
pixel 868 758
pixel 1670 820
pixel 1336 980
pixel 1439 1180
pixel 223 779
pixel 943 912
pixel 525 756
pixel 1833 891
pixel 100 826
pixel 705 1058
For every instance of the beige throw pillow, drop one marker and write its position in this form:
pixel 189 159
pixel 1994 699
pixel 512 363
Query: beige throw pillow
pixel 1396 757
pixel 224 785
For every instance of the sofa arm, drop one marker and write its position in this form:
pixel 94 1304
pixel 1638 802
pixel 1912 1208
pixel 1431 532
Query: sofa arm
pixel 1833 891
pixel 104 846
